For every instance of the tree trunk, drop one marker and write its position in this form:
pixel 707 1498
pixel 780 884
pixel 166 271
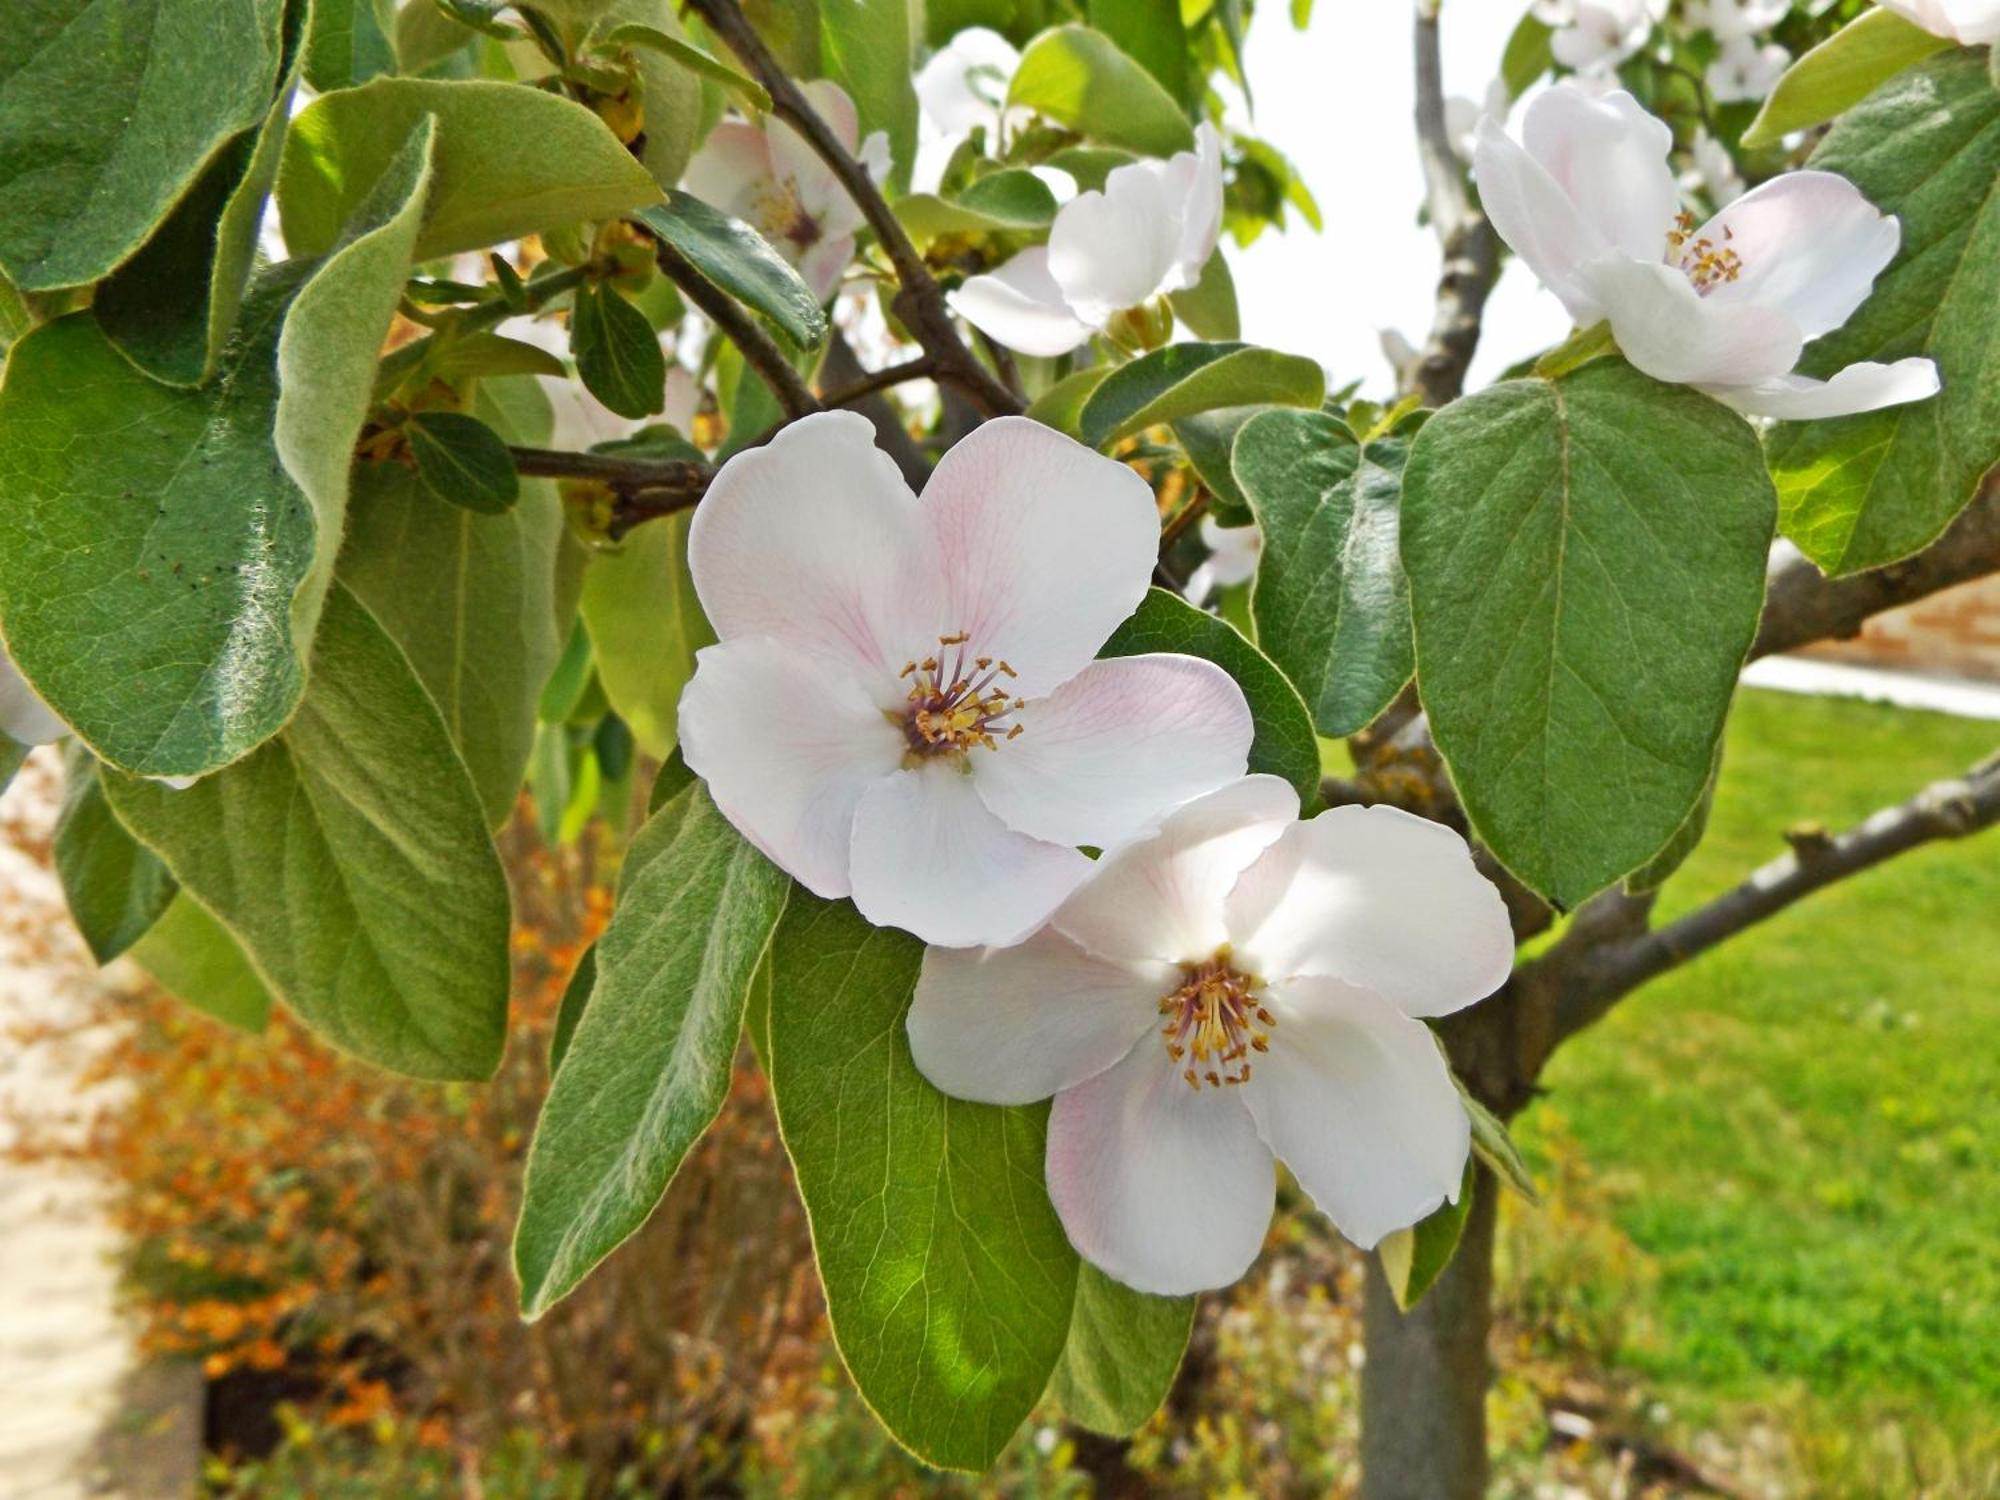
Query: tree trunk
pixel 1423 1387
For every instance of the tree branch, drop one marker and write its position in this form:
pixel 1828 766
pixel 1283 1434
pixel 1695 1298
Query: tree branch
pixel 645 488
pixel 920 303
pixel 923 367
pixel 1470 248
pixel 759 351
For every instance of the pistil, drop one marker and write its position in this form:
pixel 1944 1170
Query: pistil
pixel 1214 1022
pixel 956 702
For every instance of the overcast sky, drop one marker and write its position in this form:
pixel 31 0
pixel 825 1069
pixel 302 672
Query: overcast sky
pixel 1337 100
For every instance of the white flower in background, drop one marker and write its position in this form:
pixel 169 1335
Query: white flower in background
pixel 1726 20
pixel 1595 36
pixel 964 85
pixel 1970 23
pixel 24 717
pixel 1232 558
pixel 903 706
pixel 767 176
pixel 1714 170
pixel 1462 116
pixel 1745 71
pixel 1590 203
pixel 1149 232
pixel 1237 986
pixel 581 420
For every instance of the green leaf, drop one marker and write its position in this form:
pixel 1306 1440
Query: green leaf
pixel 948 1279
pixel 116 886
pixel 867 47
pixel 576 996
pixel 1414 1258
pixel 384 924
pixel 194 959
pixel 1080 78
pixel 170 307
pixel 1209 306
pixel 164 552
pixel 1283 743
pixel 470 356
pixel 511 161
pixel 618 356
pixel 471 600
pixel 1653 874
pixel 1331 606
pixel 462 462
pixel 108 111
pixel 346 45
pixel 1839 73
pixel 1209 438
pixel 648 1066
pixel 646 625
pixel 12 754
pixel 1123 1352
pixel 1007 202
pixel 1061 405
pixel 1149 32
pixel 1527 56
pixel 747 91
pixel 1586 565
pixel 1494 1146
pixel 424 36
pixel 1858 492
pixel 739 260
pixel 1183 380
pixel 679 106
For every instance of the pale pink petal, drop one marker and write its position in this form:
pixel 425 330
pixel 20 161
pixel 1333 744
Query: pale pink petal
pixel 1379 898
pixel 1013 1025
pixel 1042 547
pixel 24 717
pixel 1116 748
pixel 1166 1188
pixel 1673 333
pixel 1611 158
pixel 814 539
pixel 1021 306
pixel 1355 1098
pixel 1115 249
pixel 731 170
pixel 819 191
pixel 1808 245
pixel 821 266
pixel 929 857
pixel 787 744
pixel 965 82
pixel 1534 215
pixel 1161 897
pixel 1858 388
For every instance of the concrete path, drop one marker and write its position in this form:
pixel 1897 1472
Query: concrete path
pixel 1839 679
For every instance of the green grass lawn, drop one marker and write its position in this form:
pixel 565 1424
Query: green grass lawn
pixel 1800 1128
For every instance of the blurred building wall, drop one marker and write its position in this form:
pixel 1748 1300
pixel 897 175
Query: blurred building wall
pixel 1957 632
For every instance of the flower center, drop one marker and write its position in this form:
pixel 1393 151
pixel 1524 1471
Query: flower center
pixel 1214 1022
pixel 954 703
pixel 1704 262
pixel 778 215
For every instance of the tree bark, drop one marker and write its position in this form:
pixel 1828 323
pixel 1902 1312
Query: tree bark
pixel 1423 1388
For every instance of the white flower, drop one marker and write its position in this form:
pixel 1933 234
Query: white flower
pixel 1728 19
pixel 1744 71
pixel 1232 558
pixel 1714 170
pixel 1594 36
pixel 904 706
pixel 767 176
pixel 1591 205
pixel 964 85
pixel 1462 116
pixel 1970 23
pixel 24 717
pixel 1236 986
pixel 1150 231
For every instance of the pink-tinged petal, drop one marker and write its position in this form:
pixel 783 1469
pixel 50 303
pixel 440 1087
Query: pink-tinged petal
pixel 821 266
pixel 1534 215
pixel 1162 896
pixel 1013 1025
pixel 1355 1098
pixel 1042 546
pixel 1672 332
pixel 929 857
pixel 1114 249
pixel 731 170
pixel 24 717
pixel 1021 306
pixel 1808 245
pixel 814 539
pixel 1858 388
pixel 1610 157
pixel 1379 898
pixel 793 160
pixel 1166 1188
pixel 1116 748
pixel 787 744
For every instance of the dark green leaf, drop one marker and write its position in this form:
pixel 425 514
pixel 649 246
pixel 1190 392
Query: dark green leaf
pixel 461 461
pixel 866 47
pixel 576 995
pixel 1123 1352
pixel 1653 874
pixel 194 959
pixel 1184 380
pixel 1586 565
pixel 1331 606
pixel 1414 1258
pixel 649 1063
pixel 948 1279
pixel 1209 438
pixel 1284 743
pixel 346 45
pixel 1061 405
pixel 1149 32
pixel 1079 78
pixel 1839 73
pixel 116 886
pixel 618 355
pixel 747 91
pixel 1861 491
pixel 736 258
pixel 1209 306
pixel 387 932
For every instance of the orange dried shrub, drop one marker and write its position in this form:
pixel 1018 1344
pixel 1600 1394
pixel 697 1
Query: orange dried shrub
pixel 343 1235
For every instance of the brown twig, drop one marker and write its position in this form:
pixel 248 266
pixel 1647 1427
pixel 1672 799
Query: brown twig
pixel 759 351
pixel 645 488
pixel 920 303
pixel 923 367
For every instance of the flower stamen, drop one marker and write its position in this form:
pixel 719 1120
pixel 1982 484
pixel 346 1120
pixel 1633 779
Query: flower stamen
pixel 1704 262
pixel 952 707
pixel 1215 1022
